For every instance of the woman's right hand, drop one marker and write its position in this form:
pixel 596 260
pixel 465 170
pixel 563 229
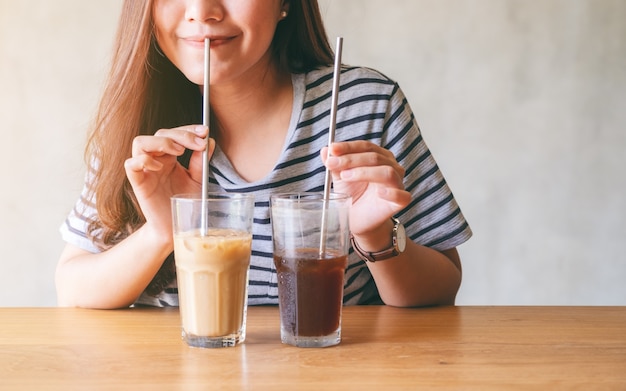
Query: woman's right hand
pixel 84 278
pixel 156 175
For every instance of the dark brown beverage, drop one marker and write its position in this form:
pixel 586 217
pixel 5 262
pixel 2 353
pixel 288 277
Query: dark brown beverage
pixel 310 292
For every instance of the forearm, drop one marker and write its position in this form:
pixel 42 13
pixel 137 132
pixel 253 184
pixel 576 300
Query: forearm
pixel 420 276
pixel 113 278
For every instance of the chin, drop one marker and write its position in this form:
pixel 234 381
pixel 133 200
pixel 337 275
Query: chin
pixel 195 77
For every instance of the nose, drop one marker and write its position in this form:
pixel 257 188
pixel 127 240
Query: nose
pixel 204 10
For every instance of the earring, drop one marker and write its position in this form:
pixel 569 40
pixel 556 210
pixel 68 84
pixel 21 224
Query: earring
pixel 283 14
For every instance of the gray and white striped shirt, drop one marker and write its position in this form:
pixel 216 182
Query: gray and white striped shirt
pixel 371 107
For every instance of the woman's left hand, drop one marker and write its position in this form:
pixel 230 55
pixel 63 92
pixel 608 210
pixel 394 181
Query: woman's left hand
pixel 374 179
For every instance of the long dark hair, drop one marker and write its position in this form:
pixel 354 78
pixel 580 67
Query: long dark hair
pixel 300 42
pixel 145 92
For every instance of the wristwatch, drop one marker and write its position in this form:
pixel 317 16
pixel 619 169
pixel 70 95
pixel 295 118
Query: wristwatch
pixel 398 244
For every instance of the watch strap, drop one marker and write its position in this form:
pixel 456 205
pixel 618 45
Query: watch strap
pixel 374 256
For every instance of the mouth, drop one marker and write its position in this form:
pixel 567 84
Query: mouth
pixel 218 40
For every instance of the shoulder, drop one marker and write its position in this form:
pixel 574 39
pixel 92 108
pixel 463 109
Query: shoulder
pixel 364 73
pixel 351 77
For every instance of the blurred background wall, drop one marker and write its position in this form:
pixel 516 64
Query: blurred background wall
pixel 523 104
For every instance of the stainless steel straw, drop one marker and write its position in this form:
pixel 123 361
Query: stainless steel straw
pixel 206 115
pixel 331 139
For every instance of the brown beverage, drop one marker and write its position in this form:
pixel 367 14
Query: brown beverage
pixel 212 273
pixel 310 292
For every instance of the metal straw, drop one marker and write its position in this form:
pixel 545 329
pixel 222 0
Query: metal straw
pixel 206 115
pixel 331 139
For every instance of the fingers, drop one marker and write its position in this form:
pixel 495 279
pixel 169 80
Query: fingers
pixel 396 196
pixel 364 161
pixel 150 154
pixel 359 146
pixel 171 141
pixel 196 162
pixel 376 174
pixel 141 163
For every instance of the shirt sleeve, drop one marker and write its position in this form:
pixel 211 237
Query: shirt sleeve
pixel 74 228
pixel 433 218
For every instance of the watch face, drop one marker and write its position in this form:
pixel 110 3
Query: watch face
pixel 401 238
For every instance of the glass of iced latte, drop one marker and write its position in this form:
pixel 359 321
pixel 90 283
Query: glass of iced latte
pixel 212 247
pixel 311 241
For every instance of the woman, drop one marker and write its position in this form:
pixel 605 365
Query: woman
pixel 271 79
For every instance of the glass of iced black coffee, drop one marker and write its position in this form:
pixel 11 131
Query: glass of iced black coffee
pixel 311 241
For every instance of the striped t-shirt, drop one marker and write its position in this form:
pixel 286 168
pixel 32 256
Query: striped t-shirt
pixel 371 107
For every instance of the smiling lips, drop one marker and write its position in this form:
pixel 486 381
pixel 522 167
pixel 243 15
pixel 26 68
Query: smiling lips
pixel 215 41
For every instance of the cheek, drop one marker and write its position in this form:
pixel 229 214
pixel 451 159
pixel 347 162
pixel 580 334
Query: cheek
pixel 164 17
pixel 260 36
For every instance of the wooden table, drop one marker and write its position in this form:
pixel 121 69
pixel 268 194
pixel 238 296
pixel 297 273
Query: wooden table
pixel 383 348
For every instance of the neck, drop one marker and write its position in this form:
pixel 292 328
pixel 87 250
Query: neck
pixel 247 100
pixel 252 112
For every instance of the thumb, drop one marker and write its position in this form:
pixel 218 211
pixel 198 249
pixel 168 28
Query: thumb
pixel 196 164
